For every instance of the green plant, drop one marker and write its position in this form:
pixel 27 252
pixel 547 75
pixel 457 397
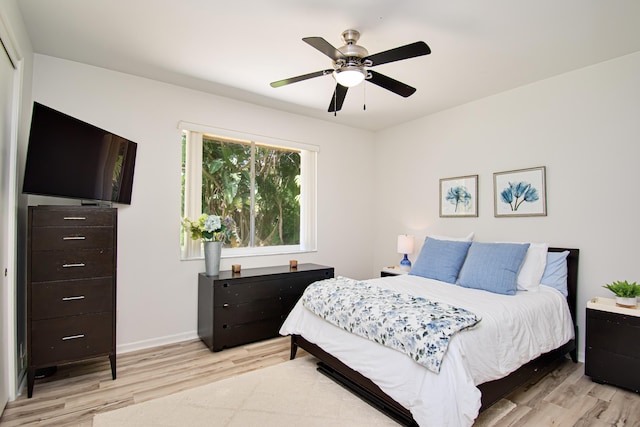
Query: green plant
pixel 624 289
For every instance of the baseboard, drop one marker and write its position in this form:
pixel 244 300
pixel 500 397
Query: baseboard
pixel 155 342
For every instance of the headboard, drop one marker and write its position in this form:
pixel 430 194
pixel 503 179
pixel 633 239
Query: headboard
pixel 572 280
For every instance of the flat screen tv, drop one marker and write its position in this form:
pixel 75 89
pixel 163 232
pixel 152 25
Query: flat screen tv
pixel 67 157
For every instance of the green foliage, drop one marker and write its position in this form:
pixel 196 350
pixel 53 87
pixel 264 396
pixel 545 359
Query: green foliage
pixel 226 190
pixel 624 289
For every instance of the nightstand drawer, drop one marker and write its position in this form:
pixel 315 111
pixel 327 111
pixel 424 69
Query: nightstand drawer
pixel 70 338
pixel 69 216
pixel 67 298
pixel 70 238
pixel 616 333
pixel 66 265
pixel 611 368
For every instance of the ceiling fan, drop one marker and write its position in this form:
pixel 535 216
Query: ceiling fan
pixel 351 63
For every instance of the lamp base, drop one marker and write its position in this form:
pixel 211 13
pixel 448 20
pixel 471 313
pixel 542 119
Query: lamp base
pixel 405 264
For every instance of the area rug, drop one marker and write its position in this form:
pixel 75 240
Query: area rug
pixel 291 393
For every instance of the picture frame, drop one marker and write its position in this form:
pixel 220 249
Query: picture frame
pixel 520 192
pixel 459 196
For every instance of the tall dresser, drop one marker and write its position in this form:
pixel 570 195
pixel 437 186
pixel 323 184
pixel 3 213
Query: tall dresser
pixel 71 286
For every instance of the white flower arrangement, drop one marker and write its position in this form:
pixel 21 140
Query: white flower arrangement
pixel 210 228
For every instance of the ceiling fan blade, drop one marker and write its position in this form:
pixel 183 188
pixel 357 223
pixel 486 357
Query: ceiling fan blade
pixel 300 78
pixel 403 52
pixel 391 84
pixel 338 98
pixel 325 47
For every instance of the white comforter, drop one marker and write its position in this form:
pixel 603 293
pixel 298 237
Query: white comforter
pixel 514 330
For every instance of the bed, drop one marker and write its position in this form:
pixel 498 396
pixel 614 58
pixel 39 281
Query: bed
pixel 469 380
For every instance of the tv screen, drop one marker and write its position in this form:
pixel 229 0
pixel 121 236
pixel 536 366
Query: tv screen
pixel 67 157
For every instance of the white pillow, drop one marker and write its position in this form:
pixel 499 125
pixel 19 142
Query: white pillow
pixel 533 267
pixel 467 238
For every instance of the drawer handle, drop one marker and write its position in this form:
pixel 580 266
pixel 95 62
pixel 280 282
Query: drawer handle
pixel 225 305
pixel 75 218
pixel 74 238
pixel 72 337
pixel 79 264
pixel 73 298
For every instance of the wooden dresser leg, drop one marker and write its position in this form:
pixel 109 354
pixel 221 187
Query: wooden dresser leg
pixel 31 377
pixel 112 360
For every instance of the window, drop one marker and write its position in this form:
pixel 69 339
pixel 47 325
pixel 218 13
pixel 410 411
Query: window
pixel 266 186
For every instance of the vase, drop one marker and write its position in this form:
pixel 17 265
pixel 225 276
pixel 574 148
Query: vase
pixel 212 252
pixel 627 302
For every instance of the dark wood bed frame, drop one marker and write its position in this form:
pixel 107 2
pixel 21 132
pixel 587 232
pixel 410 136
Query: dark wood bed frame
pixel 492 391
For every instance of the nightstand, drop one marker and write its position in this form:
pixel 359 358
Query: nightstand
pixel 613 344
pixel 393 270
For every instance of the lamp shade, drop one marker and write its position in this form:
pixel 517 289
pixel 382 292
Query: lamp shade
pixel 349 76
pixel 405 244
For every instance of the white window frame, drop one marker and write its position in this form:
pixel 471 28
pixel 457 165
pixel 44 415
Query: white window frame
pixel 193 190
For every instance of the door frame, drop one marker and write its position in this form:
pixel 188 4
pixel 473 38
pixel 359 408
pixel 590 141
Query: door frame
pixel 10 46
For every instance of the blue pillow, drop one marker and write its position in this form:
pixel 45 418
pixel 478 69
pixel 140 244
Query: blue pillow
pixel 555 273
pixel 493 267
pixel 440 259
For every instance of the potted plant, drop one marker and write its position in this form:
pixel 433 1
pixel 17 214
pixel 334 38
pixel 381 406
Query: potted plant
pixel 626 293
pixel 213 232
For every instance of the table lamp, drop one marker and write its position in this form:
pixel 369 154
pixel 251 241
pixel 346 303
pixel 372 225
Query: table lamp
pixel 405 246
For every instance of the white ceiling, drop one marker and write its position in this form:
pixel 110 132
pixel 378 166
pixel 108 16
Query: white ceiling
pixel 235 48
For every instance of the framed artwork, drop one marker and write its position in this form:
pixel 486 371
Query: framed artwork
pixel 520 192
pixel 459 196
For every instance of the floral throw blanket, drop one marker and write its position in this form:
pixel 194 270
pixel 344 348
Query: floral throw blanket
pixel 413 325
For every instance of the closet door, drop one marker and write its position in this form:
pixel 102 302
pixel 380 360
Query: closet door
pixel 6 194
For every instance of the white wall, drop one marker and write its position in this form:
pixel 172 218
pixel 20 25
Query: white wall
pixel 583 126
pixel 157 293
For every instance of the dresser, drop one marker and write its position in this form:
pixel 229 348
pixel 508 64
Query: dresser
pixel 239 308
pixel 71 286
pixel 612 354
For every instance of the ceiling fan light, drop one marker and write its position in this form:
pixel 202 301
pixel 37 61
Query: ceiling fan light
pixel 349 76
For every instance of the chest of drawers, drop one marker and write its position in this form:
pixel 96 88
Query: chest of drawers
pixel 239 308
pixel 71 286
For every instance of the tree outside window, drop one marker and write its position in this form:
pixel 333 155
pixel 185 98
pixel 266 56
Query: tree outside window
pixel 257 185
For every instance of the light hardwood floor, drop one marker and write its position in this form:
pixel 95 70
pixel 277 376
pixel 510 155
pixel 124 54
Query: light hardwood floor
pixel 76 392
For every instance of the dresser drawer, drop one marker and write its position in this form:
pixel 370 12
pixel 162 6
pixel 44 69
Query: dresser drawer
pixel 74 264
pixel 233 335
pixel 236 293
pixel 252 311
pixel 70 338
pixel 67 298
pixel 69 216
pixel 69 238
